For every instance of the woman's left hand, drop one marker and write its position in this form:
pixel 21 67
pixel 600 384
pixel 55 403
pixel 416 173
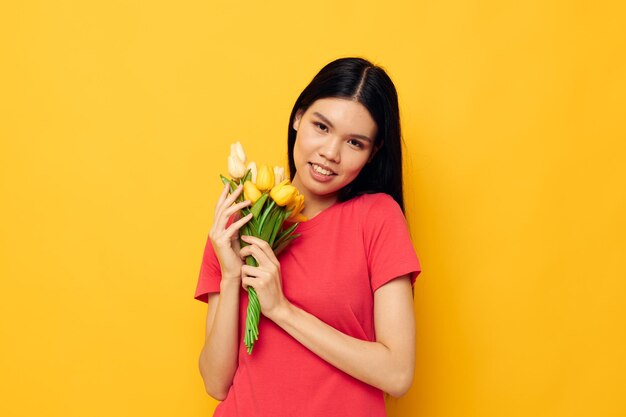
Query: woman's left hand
pixel 265 278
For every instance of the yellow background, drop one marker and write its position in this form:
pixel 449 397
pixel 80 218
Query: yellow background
pixel 115 121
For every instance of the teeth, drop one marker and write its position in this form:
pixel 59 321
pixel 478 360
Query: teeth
pixel 321 170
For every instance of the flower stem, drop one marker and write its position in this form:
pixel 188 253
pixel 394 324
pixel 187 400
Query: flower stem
pixel 253 313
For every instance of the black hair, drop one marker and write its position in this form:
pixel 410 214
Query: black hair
pixel 360 80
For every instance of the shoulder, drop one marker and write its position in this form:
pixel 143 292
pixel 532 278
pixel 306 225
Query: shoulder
pixel 378 204
pixel 376 198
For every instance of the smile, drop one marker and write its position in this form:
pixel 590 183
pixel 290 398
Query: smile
pixel 321 170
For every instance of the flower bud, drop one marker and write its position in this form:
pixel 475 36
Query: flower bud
pixel 236 168
pixel 296 206
pixel 265 178
pixel 279 174
pixel 252 167
pixel 283 193
pixel 237 150
pixel 250 192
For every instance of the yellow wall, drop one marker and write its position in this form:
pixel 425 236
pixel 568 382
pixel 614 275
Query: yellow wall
pixel 115 120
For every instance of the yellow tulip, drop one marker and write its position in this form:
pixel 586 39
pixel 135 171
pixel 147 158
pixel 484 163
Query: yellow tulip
pixel 252 167
pixel 283 193
pixel 250 192
pixel 296 206
pixel 265 178
pixel 237 150
pixel 279 174
pixel 236 168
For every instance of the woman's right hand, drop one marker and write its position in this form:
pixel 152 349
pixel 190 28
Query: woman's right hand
pixel 225 240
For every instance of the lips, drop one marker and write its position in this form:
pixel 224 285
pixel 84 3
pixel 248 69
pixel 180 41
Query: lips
pixel 322 169
pixel 320 173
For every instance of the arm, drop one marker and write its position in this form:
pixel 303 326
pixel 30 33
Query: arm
pixel 388 363
pixel 218 358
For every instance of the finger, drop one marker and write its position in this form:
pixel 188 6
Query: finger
pixel 235 208
pixel 235 226
pixel 261 257
pixel 233 196
pixel 250 271
pixel 245 252
pixel 249 282
pixel 222 197
pixel 264 247
pixel 225 215
pixel 225 210
pixel 257 241
pixel 252 250
pixel 230 199
pixel 234 243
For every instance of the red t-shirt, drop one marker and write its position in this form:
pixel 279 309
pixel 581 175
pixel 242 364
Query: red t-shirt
pixel 343 255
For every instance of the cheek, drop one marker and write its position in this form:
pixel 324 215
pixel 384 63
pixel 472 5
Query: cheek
pixel 304 145
pixel 298 152
pixel 356 166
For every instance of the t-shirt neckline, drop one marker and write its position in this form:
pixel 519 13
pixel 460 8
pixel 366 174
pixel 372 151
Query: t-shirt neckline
pixel 319 217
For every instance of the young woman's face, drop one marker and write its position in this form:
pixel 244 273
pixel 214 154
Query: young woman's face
pixel 334 140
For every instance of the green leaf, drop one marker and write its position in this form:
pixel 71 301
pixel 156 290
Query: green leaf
pixel 258 205
pixel 282 245
pixel 286 232
pixel 270 223
pixel 280 218
pixel 266 212
pixel 241 196
pixel 253 228
pixel 247 177
pixel 245 211
pixel 233 184
pixel 267 228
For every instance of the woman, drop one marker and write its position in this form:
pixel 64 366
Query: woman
pixel 337 329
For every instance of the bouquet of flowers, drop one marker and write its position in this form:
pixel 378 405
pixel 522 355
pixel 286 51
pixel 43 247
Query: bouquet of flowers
pixel 274 201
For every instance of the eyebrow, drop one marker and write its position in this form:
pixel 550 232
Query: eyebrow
pixel 321 116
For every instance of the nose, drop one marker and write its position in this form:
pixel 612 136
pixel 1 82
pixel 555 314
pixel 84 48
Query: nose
pixel 331 150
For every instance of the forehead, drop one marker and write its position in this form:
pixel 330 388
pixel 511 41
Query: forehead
pixel 345 114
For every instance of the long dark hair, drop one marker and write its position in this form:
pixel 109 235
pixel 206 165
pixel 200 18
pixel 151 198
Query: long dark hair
pixel 360 80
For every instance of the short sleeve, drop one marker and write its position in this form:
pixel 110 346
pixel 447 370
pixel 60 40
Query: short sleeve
pixel 390 252
pixel 210 274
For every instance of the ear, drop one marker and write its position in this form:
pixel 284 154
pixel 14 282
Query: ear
pixel 296 119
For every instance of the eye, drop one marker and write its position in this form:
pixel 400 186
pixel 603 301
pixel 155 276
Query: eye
pixel 321 126
pixel 356 143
